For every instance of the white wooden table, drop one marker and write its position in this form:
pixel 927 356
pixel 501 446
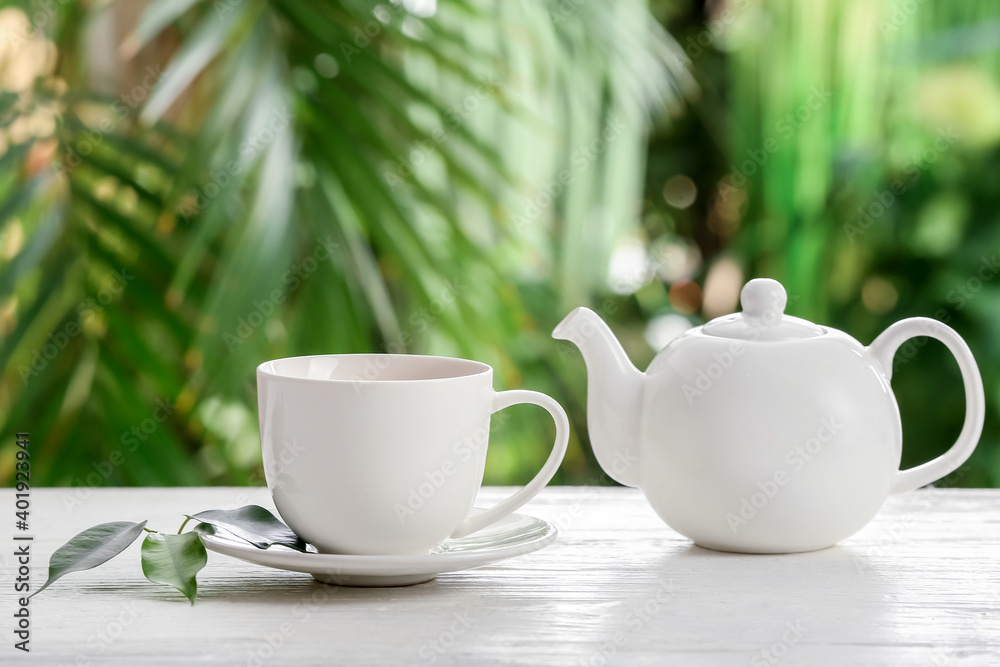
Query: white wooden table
pixel 919 586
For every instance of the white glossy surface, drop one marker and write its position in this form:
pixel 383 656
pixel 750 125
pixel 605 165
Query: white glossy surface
pixel 384 454
pixel 511 536
pixel 917 586
pixel 763 316
pixel 760 432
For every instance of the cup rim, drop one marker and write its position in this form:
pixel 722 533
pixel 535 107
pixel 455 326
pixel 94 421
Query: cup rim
pixel 476 368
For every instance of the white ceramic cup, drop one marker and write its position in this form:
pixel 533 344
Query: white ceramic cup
pixel 384 454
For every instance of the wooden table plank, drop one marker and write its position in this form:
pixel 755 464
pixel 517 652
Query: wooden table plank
pixel 917 586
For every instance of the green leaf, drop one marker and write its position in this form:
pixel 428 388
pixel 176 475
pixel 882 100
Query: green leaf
pixel 184 212
pixel 174 560
pixel 94 546
pixel 254 524
pixel 157 17
pixel 195 53
pixel 34 251
pixel 205 529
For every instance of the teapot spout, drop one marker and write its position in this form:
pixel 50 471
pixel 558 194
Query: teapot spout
pixel 614 394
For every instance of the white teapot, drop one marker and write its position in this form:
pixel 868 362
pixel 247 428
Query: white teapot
pixel 760 432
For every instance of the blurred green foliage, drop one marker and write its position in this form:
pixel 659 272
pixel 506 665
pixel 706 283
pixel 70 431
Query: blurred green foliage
pixel 208 185
pixel 189 190
pixel 850 150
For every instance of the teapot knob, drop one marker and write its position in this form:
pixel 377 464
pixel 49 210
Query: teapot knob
pixel 763 296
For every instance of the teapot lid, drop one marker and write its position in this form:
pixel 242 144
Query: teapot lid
pixel 763 316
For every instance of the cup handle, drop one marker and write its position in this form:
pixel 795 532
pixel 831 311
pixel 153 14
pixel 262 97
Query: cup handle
pixel 884 349
pixel 505 399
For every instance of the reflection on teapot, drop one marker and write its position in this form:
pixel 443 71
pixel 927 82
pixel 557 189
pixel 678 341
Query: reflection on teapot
pixel 760 432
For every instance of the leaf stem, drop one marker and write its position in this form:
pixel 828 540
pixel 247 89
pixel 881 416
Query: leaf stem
pixel 148 530
pixel 179 530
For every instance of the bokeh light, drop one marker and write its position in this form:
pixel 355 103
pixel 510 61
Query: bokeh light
pixel 680 191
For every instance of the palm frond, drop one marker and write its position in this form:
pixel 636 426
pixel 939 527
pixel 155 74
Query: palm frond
pixel 295 184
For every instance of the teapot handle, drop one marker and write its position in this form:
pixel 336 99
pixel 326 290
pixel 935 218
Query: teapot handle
pixel 884 349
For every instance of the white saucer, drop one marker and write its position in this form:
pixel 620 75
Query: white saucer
pixel 512 536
